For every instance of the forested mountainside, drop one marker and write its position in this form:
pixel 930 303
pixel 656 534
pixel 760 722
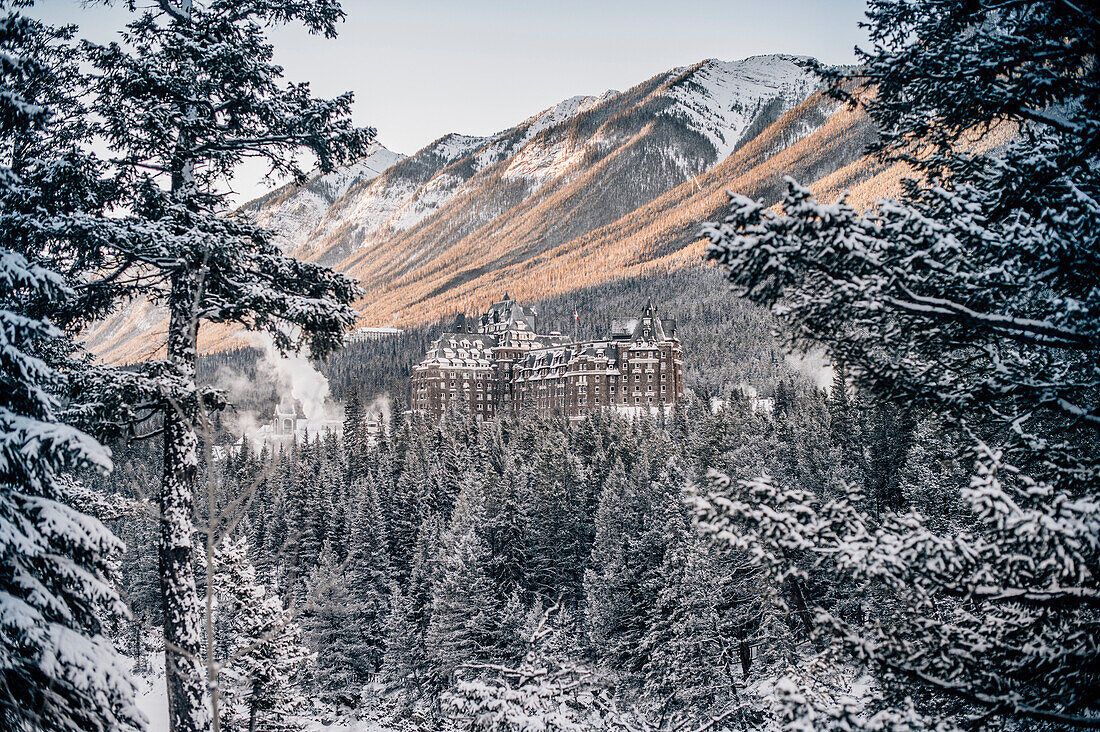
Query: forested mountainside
pixel 591 190
pixel 401 563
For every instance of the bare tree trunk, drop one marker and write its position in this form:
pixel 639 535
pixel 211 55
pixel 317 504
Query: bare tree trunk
pixel 253 710
pixel 800 606
pixel 183 615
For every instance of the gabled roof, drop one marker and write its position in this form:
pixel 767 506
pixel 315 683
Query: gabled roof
pixel 646 328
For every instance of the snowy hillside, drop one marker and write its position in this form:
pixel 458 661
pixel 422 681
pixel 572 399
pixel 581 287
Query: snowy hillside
pixel 294 211
pixel 403 199
pixel 721 98
pixel 717 100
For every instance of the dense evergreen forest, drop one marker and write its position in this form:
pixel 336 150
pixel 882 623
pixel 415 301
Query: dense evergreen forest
pixel 410 562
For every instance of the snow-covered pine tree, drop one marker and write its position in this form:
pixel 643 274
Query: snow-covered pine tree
pixel 191 94
pixel 934 473
pixel 305 520
pixel 404 511
pixel 57 670
pixel 973 298
pixel 355 439
pixel 616 572
pixel 558 539
pixel 369 581
pixel 546 691
pixel 334 634
pixel 259 684
pixel 473 619
pixel 504 524
pixel 405 664
pixel 335 496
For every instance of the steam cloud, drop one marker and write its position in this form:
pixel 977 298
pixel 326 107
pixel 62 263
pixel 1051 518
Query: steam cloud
pixel 294 380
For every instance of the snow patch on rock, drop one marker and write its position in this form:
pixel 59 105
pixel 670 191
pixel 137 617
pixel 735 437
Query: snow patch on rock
pixel 294 214
pixel 721 98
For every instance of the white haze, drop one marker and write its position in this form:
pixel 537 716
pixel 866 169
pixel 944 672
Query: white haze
pixel 816 365
pixel 295 381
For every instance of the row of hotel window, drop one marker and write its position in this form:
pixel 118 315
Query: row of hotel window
pixel 488 407
pixel 560 389
pixel 582 379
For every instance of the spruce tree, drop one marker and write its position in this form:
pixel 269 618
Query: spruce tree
pixel 473 619
pixel 192 94
pixel 505 524
pixel 369 582
pixel 610 581
pixel 355 439
pixel 58 671
pixel 559 526
pixel 971 297
pixel 405 670
pixel 258 686
pixel 334 634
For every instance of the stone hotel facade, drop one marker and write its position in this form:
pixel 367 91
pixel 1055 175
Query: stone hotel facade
pixel 499 363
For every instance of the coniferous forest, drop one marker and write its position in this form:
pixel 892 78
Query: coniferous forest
pixel 877 506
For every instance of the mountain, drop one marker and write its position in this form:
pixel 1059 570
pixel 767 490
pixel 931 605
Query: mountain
pixel 592 189
pixel 293 212
pixel 626 147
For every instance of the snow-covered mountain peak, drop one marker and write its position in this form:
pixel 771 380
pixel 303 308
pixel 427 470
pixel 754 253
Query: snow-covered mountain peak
pixel 721 98
pixel 723 101
pixel 564 110
pixel 540 162
pixel 293 212
pixel 454 145
pixel 366 168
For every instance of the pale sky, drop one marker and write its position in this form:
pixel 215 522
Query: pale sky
pixel 423 68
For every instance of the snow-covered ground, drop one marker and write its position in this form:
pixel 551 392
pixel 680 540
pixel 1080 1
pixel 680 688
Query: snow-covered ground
pixel 153 695
pixel 360 726
pixel 153 703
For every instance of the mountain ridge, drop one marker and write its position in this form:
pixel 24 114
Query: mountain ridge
pixel 589 189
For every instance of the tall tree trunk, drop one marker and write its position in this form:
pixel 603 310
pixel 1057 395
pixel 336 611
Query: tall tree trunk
pixel 800 606
pixel 183 615
pixel 253 709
